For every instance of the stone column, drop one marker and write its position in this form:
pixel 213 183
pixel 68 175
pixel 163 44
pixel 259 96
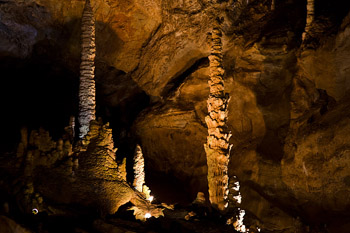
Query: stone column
pixel 310 16
pixel 139 169
pixel 87 69
pixel 217 147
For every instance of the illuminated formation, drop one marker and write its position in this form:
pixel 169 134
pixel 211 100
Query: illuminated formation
pixel 217 147
pixel 97 182
pixel 139 171
pixel 236 198
pixel 88 169
pixel 309 17
pixel 87 68
pixel 139 174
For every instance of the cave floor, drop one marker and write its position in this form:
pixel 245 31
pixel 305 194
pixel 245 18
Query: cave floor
pixel 79 219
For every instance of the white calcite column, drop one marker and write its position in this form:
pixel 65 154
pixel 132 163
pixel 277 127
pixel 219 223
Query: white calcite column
pixel 87 90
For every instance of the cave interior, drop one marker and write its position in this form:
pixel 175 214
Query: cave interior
pixel 286 79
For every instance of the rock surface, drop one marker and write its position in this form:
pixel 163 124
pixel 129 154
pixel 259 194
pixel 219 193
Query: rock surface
pixel 87 87
pixel 87 174
pixel 7 225
pixel 288 112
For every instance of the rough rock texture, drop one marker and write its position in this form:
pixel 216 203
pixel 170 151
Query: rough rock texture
pixel 316 165
pixel 185 135
pixel 19 27
pixel 88 175
pixel 329 74
pixel 139 169
pixel 7 225
pixel 217 148
pixel 270 85
pixel 178 43
pixel 288 110
pixel 310 16
pixel 87 90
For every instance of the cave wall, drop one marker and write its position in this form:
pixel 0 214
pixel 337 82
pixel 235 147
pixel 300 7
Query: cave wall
pixel 288 108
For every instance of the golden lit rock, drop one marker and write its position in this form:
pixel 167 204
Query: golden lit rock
pixel 139 169
pixel 286 121
pixel 217 148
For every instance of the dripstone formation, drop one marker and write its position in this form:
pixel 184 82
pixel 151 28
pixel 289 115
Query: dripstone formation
pixel 86 174
pixel 310 16
pixel 217 148
pixel 139 170
pixel 288 112
pixel 87 69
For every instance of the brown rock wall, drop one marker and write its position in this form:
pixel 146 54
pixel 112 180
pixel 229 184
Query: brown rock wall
pixel 290 140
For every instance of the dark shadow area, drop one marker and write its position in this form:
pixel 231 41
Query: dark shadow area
pixel 35 93
pixel 168 189
pixel 328 18
pixel 177 80
pixel 279 34
pixel 119 102
pixel 288 17
pixel 335 10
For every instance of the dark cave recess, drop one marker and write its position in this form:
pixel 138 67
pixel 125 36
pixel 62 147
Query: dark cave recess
pixel 36 94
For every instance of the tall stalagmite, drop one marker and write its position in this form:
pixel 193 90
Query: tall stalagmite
pixel 310 9
pixel 273 5
pixel 87 68
pixel 217 148
pixel 139 169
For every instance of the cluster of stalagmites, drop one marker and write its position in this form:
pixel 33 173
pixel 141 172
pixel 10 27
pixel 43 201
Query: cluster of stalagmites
pixel 87 68
pixel 217 147
pixel 86 173
pixel 36 150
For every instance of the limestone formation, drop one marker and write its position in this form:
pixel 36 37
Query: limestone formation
pixel 217 147
pixel 99 145
pixel 139 174
pixel 70 129
pixel 290 144
pixel 310 16
pixel 39 151
pixel 235 198
pixel 87 69
pixel 139 169
pixel 89 170
pixel 23 145
pixel 42 150
pixel 9 225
